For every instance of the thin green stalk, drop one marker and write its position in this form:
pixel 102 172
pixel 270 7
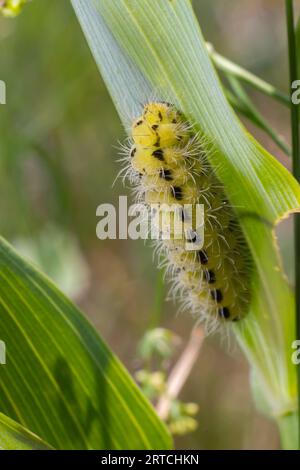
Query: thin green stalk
pixel 288 427
pixel 230 68
pixel 296 166
pixel 249 110
pixel 243 104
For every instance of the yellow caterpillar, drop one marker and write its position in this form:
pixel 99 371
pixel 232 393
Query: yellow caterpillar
pixel 169 166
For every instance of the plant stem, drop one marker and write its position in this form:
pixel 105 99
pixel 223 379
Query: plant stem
pixel 288 429
pixel 230 68
pixel 180 372
pixel 249 110
pixel 244 105
pixel 296 165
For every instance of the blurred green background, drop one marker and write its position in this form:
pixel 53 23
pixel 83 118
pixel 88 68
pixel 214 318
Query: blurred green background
pixel 58 161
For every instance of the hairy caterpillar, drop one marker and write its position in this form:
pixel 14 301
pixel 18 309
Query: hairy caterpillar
pixel 168 164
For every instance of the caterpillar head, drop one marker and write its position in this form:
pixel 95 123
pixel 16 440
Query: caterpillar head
pixel 161 113
pixel 144 135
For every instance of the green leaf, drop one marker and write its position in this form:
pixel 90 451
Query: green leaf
pixel 60 380
pixel 16 437
pixel 147 49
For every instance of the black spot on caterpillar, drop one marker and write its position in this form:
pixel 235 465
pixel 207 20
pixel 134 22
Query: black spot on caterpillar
pixel 176 192
pixel 132 152
pixel 159 154
pixel 213 281
pixel 202 256
pixel 165 174
pixel 192 237
pixel 210 276
pixel 225 313
pixel 216 295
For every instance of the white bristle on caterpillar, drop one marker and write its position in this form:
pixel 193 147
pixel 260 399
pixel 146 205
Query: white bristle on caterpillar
pixel 168 164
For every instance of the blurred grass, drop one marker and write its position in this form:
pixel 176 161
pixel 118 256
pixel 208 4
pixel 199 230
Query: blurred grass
pixel 58 164
pixel 43 117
